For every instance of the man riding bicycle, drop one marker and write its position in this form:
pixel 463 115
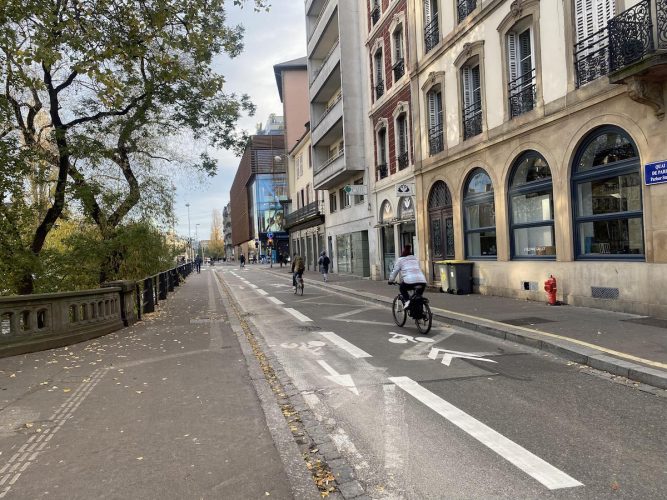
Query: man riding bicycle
pixel 412 277
pixel 298 267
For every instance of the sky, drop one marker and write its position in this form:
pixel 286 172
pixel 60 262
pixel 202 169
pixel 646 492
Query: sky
pixel 270 38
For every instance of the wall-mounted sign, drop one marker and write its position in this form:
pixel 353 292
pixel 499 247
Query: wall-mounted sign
pixel 387 212
pixel 406 208
pixel 405 189
pixel 655 173
pixel 356 189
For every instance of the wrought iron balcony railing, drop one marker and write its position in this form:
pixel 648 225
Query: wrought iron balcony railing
pixel 436 142
pixel 631 35
pixel 522 95
pixel 403 160
pixel 382 171
pixel 464 8
pixel 379 89
pixel 375 14
pixel 591 57
pixel 431 34
pixel 303 214
pixel 472 120
pixel 399 69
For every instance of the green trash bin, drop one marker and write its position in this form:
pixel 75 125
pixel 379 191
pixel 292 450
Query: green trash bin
pixel 459 277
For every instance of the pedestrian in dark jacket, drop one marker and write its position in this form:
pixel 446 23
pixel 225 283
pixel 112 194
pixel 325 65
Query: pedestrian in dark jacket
pixel 324 265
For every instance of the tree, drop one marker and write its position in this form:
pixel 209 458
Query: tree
pixel 216 247
pixel 91 82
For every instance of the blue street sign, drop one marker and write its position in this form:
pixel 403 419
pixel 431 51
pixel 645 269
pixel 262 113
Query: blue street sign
pixel 269 235
pixel 655 173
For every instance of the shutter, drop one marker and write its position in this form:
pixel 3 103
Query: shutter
pixel 378 67
pixel 432 112
pixel 604 11
pixel 476 85
pixel 401 134
pixel 526 62
pixel 512 57
pixel 438 108
pixel 466 77
pixel 428 14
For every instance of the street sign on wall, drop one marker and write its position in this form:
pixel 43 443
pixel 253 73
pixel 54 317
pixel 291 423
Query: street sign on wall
pixel 655 173
pixel 356 189
pixel 405 189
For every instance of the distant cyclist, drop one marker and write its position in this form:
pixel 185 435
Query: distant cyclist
pixel 298 267
pixel 412 277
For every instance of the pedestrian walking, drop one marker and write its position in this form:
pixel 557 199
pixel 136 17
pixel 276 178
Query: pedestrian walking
pixel 242 261
pixel 198 263
pixel 324 265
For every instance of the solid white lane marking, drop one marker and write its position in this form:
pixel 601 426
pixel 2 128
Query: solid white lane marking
pixel 531 464
pixel 275 301
pixel 297 314
pixel 345 345
pixel 394 423
pixel 252 286
pixel 261 292
pixel 344 380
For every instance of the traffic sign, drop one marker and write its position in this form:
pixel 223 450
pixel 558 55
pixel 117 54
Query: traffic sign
pixel 269 235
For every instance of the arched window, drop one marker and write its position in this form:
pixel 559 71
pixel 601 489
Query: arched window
pixel 479 216
pixel 607 192
pixel 532 208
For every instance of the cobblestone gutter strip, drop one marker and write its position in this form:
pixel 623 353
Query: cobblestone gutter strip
pixel 330 473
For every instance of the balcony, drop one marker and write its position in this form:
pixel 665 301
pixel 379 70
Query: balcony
pixel 399 69
pixel 309 213
pixel 381 171
pixel 333 172
pixel 331 115
pixel 472 120
pixel 591 57
pixel 522 95
pixel 379 89
pixel 431 35
pixel 403 160
pixel 464 8
pixel 321 24
pixel 320 75
pixel 436 142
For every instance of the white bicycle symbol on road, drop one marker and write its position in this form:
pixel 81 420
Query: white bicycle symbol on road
pixel 399 338
pixel 313 346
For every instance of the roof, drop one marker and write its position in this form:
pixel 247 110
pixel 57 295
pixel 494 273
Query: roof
pixel 300 63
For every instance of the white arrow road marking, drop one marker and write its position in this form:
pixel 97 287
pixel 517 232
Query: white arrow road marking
pixel 344 380
pixel 297 314
pixel 450 355
pixel 261 292
pixel 275 301
pixel 531 464
pixel 345 345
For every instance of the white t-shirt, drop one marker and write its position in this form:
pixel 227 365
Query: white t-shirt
pixel 409 269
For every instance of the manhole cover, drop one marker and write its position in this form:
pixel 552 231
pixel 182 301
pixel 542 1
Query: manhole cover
pixel 531 320
pixel 658 323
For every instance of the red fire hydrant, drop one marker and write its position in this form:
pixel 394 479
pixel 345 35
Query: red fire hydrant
pixel 551 287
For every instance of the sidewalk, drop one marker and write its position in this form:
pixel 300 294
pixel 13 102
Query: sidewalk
pixel 631 346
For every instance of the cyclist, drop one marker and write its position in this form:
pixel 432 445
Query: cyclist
pixel 298 267
pixel 412 277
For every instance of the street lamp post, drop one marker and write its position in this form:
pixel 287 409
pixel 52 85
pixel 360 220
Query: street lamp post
pixel 189 233
pixel 197 238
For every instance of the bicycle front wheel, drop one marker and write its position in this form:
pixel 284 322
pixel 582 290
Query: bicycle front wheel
pixel 397 310
pixel 424 323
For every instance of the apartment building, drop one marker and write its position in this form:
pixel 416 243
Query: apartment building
pixel 541 146
pixel 339 102
pixel 390 113
pixel 227 231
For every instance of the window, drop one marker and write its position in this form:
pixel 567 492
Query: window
pixel 464 8
pixel 379 78
pixel 521 67
pixel 381 151
pixel 479 216
pixel 332 202
pixel 344 199
pixel 591 52
pixel 376 12
pixel 435 130
pixel 359 198
pixel 532 208
pixel 472 101
pixel 307 194
pixel 607 191
pixel 431 27
pixel 402 154
pixel 399 63
pixel 299 166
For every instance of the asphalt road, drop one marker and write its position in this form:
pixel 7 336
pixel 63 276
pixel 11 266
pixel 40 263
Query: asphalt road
pixel 454 414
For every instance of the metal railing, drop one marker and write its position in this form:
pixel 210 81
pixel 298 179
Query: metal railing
pixel 464 8
pixel 436 142
pixel 661 23
pixel 403 160
pixel 630 35
pixel 324 61
pixel 522 94
pixel 591 57
pixel 303 214
pixel 431 34
pixel 398 69
pixel 379 89
pixel 472 120
pixel 319 18
pixel 382 171
pixel 328 109
pixel 330 161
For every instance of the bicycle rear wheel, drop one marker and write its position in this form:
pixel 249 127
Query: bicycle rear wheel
pixel 425 321
pixel 301 287
pixel 398 312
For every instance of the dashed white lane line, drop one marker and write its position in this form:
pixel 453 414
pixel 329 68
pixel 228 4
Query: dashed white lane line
pixel 531 464
pixel 275 301
pixel 345 345
pixel 261 292
pixel 16 466
pixel 297 314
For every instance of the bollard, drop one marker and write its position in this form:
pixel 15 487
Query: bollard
pixel 148 301
pixel 163 279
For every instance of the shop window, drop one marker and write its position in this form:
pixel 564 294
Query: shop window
pixel 479 216
pixel 532 208
pixel 607 192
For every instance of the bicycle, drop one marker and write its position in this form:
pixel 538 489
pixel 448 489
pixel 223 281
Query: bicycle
pixel 419 310
pixel 298 290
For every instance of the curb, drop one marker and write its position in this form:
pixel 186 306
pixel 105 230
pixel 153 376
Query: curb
pixel 567 350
